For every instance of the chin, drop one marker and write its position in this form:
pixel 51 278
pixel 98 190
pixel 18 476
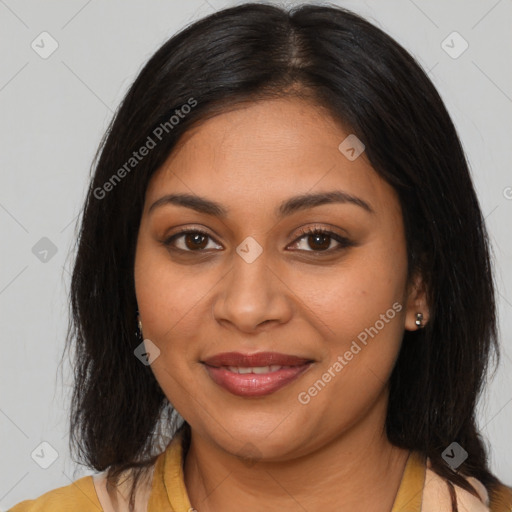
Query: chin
pixel 255 445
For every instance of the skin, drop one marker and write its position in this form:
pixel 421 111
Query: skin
pixel 331 453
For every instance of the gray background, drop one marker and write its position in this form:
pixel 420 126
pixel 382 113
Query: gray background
pixel 53 114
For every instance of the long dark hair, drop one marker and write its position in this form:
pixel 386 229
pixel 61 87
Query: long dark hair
pixel 372 85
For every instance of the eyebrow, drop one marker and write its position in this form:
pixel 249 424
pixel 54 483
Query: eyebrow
pixel 291 205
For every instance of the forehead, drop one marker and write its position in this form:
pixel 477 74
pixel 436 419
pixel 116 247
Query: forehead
pixel 264 152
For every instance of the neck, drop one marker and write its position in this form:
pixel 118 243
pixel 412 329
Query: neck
pixel 358 470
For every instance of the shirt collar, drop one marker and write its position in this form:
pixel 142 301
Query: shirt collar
pixel 170 491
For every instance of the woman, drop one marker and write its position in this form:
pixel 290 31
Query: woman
pixel 281 240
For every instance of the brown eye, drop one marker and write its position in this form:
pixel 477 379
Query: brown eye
pixel 195 241
pixel 191 240
pixel 320 240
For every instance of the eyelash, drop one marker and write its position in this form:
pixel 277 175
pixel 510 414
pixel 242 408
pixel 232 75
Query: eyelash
pixel 344 242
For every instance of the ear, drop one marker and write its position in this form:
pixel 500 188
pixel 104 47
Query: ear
pixel 416 303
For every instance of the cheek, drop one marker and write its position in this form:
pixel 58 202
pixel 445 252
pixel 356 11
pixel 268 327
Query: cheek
pixel 356 295
pixel 364 340
pixel 168 305
pixel 169 296
pixel 362 306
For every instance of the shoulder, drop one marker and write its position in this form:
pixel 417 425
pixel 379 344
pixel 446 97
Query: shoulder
pixel 501 499
pixel 80 495
pixel 436 496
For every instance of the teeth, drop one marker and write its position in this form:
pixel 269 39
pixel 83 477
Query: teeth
pixel 255 369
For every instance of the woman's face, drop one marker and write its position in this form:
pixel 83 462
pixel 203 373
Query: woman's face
pixel 322 314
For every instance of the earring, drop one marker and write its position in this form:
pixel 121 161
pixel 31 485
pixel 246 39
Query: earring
pixel 139 328
pixel 419 320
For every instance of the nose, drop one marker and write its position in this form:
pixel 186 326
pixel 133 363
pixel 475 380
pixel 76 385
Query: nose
pixel 252 296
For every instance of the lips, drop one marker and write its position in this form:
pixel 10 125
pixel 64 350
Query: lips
pixel 257 374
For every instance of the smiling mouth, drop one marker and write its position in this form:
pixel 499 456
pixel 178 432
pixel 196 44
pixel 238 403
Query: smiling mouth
pixel 255 375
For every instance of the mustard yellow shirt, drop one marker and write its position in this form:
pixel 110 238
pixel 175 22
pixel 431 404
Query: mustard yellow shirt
pixel 420 490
